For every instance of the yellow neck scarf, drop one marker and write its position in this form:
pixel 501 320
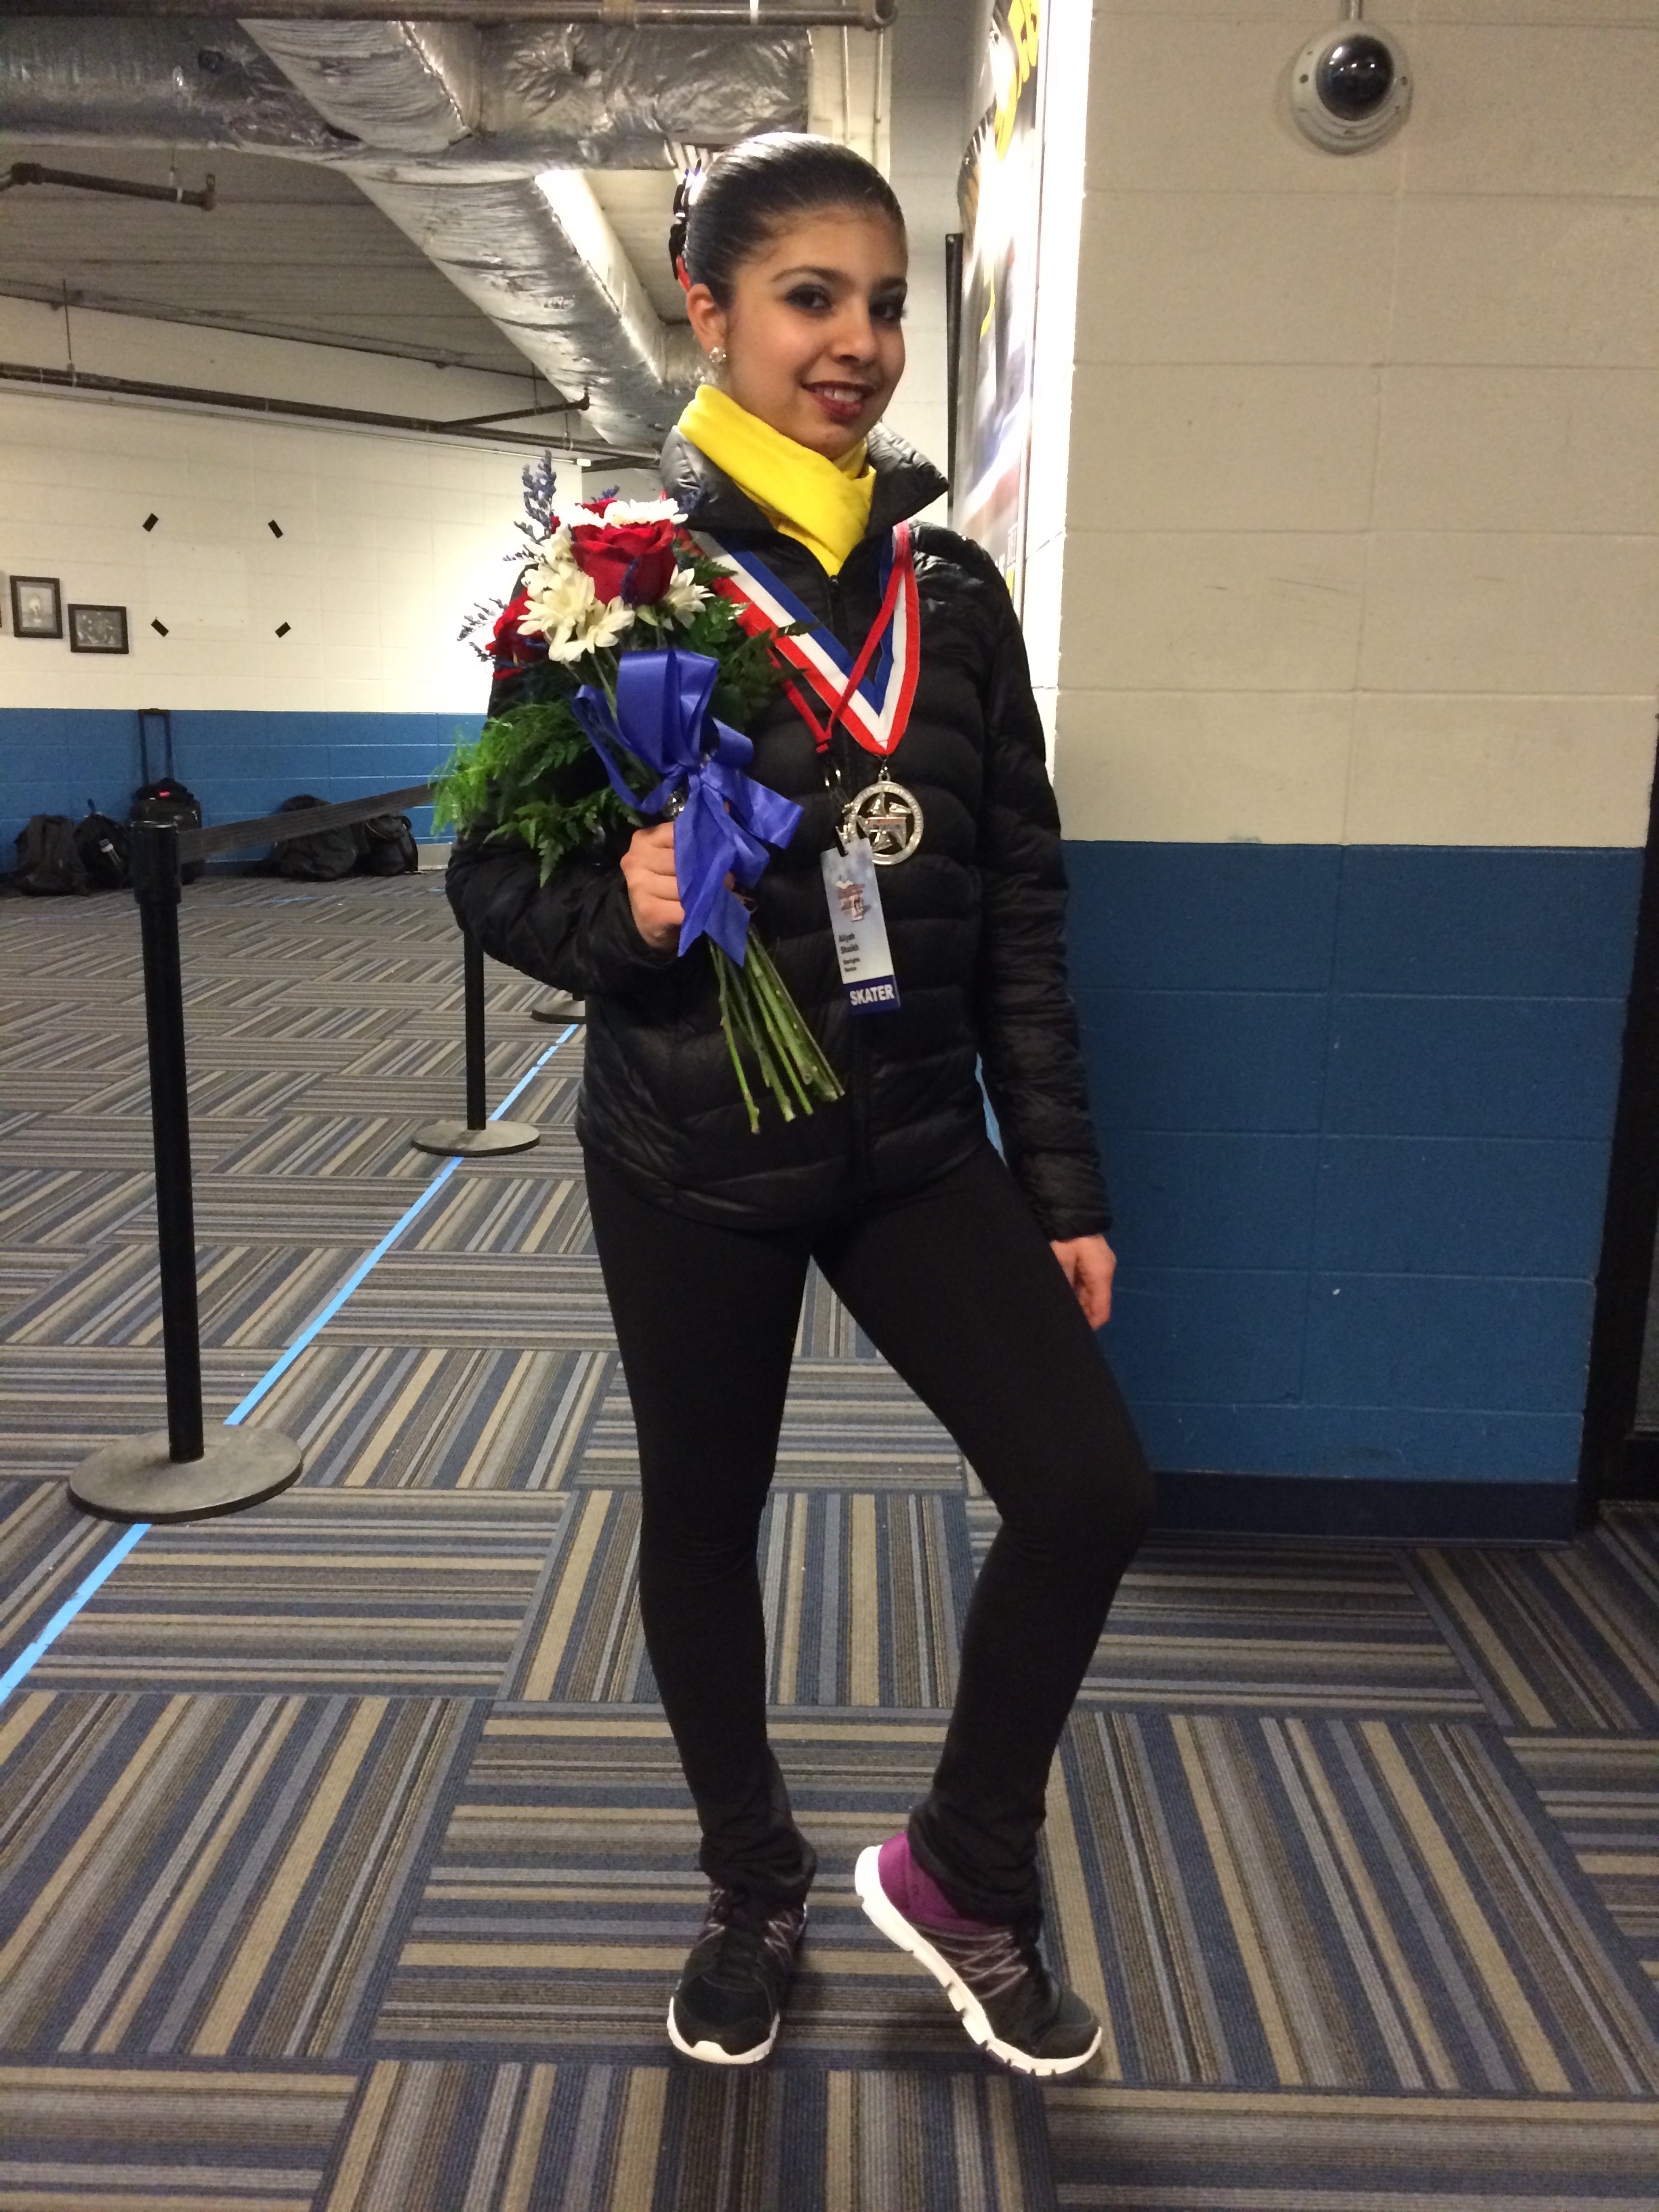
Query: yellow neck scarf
pixel 824 504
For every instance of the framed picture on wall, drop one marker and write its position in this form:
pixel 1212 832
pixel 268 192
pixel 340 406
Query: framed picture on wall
pixel 37 607
pixel 97 630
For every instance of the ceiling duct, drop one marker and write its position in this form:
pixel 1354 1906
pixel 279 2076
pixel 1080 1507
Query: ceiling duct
pixel 769 15
pixel 542 261
pixel 400 87
pixel 509 100
pixel 535 252
pixel 470 139
pixel 154 84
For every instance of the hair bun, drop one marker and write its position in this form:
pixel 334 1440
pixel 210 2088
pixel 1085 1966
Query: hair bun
pixel 680 223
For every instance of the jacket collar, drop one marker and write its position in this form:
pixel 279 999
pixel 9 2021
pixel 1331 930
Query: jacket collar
pixel 905 483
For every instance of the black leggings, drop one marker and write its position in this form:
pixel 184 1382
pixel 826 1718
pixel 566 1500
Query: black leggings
pixel 956 1285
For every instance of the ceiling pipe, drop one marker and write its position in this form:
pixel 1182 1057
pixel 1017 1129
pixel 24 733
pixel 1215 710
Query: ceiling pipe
pixel 35 172
pixel 469 427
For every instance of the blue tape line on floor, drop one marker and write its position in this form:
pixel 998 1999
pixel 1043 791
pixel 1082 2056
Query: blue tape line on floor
pixel 319 1321
pixel 66 1612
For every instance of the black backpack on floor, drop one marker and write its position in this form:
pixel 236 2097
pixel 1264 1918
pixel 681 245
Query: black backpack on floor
pixel 389 846
pixel 49 864
pixel 321 858
pixel 102 843
pixel 165 799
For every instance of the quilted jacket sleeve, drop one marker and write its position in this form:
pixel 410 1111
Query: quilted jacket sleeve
pixel 1028 1028
pixel 575 932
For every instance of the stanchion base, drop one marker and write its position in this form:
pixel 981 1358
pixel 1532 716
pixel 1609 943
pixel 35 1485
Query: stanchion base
pixel 136 1479
pixel 559 1011
pixel 494 1137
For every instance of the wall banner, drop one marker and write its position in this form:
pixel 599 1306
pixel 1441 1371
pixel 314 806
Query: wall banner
pixel 999 191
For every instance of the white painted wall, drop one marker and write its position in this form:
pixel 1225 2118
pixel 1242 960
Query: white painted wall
pixel 387 539
pixel 1363 486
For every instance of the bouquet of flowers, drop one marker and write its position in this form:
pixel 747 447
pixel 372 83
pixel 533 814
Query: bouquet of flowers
pixel 628 652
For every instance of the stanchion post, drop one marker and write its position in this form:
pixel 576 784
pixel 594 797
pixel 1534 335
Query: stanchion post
pixel 477 1134
pixel 477 1112
pixel 154 849
pixel 181 1473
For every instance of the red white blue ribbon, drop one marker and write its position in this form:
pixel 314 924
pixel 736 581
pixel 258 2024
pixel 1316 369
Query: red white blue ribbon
pixel 871 692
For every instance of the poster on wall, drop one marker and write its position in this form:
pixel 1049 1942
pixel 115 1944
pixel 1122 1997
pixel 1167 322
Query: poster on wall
pixel 999 191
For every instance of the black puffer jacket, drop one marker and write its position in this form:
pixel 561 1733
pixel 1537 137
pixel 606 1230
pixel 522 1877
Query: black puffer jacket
pixel 974 922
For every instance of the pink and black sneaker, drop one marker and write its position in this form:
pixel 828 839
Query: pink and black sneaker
pixel 1009 2003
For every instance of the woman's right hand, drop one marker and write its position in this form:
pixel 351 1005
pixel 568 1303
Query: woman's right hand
pixel 654 888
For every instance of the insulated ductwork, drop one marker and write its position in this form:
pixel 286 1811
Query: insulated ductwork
pixel 154 84
pixel 535 252
pixel 393 88
pixel 471 140
pixel 541 260
pixel 511 101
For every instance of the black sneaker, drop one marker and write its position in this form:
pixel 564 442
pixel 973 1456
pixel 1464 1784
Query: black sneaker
pixel 1009 2002
pixel 730 1999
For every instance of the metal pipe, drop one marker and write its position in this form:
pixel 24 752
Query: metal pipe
pixel 784 15
pixel 154 859
pixel 472 985
pixel 522 414
pixel 130 387
pixel 35 172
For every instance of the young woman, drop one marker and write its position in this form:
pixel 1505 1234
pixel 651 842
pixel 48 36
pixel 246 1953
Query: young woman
pixel 980 1282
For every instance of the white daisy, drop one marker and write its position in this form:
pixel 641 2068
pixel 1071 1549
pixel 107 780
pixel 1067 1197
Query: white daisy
pixel 684 596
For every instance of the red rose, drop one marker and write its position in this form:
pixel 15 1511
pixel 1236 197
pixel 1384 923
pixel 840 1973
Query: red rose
pixel 509 648
pixel 634 561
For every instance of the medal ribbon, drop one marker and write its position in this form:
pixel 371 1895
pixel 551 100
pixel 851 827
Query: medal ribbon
pixel 876 720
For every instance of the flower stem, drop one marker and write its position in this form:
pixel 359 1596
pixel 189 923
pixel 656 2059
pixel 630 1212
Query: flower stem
pixel 757 1011
pixel 806 1050
pixel 721 966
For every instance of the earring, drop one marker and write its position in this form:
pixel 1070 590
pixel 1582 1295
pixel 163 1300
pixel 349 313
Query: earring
pixel 717 358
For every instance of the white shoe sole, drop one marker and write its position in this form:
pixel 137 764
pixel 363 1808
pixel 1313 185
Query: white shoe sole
pixel 713 2054
pixel 880 1908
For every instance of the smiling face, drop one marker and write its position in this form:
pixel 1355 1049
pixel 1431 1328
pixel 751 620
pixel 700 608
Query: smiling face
pixel 813 333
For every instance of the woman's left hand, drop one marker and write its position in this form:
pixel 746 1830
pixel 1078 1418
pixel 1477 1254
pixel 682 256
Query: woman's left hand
pixel 1088 1263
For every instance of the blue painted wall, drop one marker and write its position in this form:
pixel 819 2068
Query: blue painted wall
pixel 1356 1106
pixel 53 760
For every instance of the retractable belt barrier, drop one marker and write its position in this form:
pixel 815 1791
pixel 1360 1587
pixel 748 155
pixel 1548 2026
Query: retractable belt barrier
pixel 185 1472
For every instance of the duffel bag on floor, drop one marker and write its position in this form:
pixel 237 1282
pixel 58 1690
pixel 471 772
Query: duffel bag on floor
pixel 320 858
pixel 49 865
pixel 389 846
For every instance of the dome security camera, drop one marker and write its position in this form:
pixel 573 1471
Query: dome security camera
pixel 1350 87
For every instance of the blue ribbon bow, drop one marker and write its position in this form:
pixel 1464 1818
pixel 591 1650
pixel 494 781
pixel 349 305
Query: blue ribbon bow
pixel 662 718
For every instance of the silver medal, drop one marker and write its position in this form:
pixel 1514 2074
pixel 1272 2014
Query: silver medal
pixel 889 817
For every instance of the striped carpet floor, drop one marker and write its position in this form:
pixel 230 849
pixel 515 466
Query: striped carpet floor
pixel 344 1865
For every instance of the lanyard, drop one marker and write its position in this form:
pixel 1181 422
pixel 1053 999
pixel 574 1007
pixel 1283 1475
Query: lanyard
pixel 874 709
pixel 823 732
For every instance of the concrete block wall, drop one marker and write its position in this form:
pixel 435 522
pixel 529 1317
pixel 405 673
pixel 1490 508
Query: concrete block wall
pixel 1355 714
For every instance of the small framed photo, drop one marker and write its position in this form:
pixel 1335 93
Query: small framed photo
pixel 37 607
pixel 97 630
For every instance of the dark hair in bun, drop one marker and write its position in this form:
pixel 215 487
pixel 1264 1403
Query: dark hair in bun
pixel 728 212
